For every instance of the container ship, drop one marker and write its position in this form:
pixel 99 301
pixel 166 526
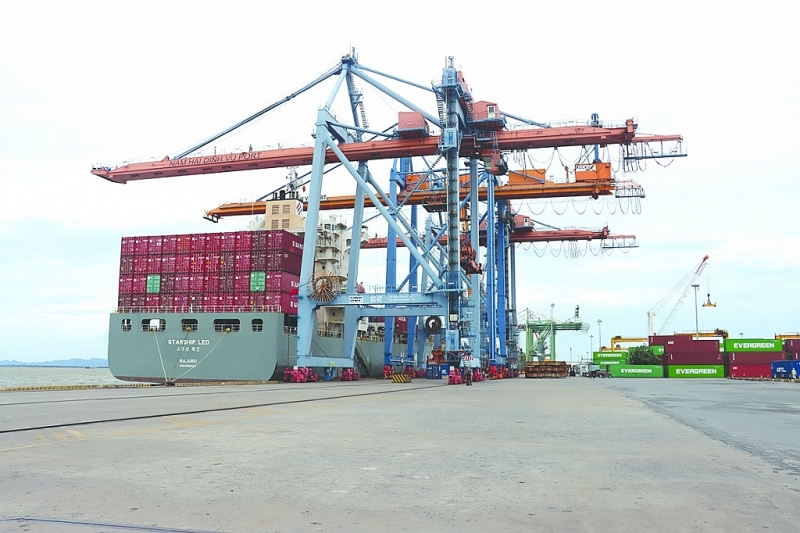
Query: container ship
pixel 221 307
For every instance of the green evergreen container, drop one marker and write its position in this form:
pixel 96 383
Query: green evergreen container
pixel 258 281
pixel 753 345
pixel 696 371
pixel 637 371
pixel 658 350
pixel 615 362
pixel 153 284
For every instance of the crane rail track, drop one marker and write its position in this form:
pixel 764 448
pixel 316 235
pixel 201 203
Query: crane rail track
pixel 152 416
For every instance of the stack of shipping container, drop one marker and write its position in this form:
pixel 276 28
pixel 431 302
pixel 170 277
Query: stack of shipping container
pixel 686 357
pixel 752 358
pixel 211 272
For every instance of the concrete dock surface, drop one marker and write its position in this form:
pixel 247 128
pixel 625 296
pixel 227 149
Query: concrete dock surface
pixel 573 454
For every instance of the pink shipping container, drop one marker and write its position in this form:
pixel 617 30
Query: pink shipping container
pixel 227 300
pixel 257 300
pixel 754 358
pixel 227 242
pixel 166 301
pixel 401 325
pixel 212 283
pixel 140 264
pixel 693 358
pixel 141 245
pixel 211 302
pixel 282 282
pixel 750 371
pixel 198 262
pixel 125 301
pixel 259 240
pixel 128 246
pixel 152 300
pixel 126 264
pixel 661 340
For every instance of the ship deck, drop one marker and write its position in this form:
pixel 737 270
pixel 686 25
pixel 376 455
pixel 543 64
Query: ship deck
pixel 520 454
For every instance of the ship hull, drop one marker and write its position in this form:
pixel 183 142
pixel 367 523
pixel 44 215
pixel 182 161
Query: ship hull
pixel 219 347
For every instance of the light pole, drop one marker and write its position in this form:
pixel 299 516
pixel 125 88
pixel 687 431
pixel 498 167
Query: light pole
pixel 591 346
pixel 599 335
pixel 696 324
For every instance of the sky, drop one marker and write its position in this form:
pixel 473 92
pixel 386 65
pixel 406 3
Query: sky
pixel 90 83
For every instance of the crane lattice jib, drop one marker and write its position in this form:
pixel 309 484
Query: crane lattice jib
pixel 694 276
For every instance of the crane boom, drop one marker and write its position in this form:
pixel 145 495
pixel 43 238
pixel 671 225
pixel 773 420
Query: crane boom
pixel 521 139
pixel 697 271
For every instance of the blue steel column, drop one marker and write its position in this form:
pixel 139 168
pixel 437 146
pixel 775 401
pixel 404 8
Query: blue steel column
pixel 502 238
pixel 391 271
pixel 491 272
pixel 475 279
pixel 413 286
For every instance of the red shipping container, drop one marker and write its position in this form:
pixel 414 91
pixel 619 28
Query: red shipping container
pixel 793 356
pixel 183 263
pixel 169 263
pixel 212 283
pixel 165 302
pixel 791 345
pixel 281 240
pixel 242 261
pixel 282 282
pixel 170 244
pixel 152 300
pixel 153 264
pixel 140 245
pixel 226 281
pixel 661 340
pixel 181 282
pixel 283 302
pixel 167 283
pixel 140 264
pixel 155 245
pixel 198 242
pixel 684 345
pixel 258 259
pixel 754 358
pixel 693 358
pixel 128 246
pixel 227 301
pixel 750 371
pixel 257 301
pixel 180 302
pixel 183 244
pixel 197 282
pixel 226 261
pixel 125 284
pixel 214 242
pixel 284 262
pixel 212 261
pixel 228 242
pixel 244 241
pixel 211 302
pixel 401 325
pixel 241 282
pixel 126 264
pixel 125 301
pixel 198 262
pixel 259 240
pixel 139 283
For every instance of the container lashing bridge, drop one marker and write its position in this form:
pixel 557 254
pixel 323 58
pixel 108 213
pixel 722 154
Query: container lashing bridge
pixel 456 272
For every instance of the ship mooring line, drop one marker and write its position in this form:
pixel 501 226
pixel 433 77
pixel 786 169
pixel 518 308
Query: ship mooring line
pixel 214 410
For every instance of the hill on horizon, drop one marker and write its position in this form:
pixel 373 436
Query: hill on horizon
pixel 94 362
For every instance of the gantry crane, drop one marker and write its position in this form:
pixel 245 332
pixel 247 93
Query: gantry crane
pixel 683 285
pixel 478 317
pixel 541 330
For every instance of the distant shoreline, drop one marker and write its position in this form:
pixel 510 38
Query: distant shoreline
pixel 34 365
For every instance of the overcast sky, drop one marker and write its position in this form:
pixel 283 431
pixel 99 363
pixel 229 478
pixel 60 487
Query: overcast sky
pixel 85 83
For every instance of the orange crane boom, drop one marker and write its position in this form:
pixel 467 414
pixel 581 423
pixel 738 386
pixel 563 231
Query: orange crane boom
pixel 519 236
pixel 521 139
pixel 547 189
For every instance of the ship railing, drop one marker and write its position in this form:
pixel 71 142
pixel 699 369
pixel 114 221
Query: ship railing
pixel 204 309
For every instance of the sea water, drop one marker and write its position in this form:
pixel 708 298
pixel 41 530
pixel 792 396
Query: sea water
pixel 38 376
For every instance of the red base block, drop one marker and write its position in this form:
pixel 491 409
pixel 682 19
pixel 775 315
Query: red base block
pixel 299 375
pixel 350 374
pixel 388 370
